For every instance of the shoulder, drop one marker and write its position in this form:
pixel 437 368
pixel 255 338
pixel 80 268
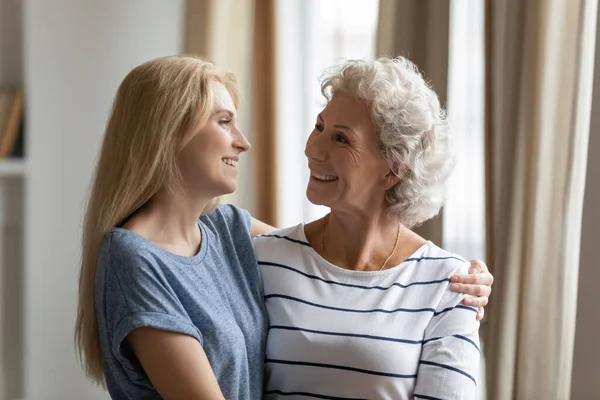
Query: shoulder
pixel 122 244
pixel 439 265
pixel 127 256
pixel 438 262
pixel 287 238
pixel 228 217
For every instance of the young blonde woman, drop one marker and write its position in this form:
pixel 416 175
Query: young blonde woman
pixel 170 296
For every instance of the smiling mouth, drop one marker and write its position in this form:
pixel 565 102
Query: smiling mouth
pixel 230 162
pixel 323 178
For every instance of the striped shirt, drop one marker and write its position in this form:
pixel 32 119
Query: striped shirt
pixel 342 334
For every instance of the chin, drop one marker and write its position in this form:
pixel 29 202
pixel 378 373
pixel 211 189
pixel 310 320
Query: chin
pixel 228 189
pixel 223 188
pixel 315 199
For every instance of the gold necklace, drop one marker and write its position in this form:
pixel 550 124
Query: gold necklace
pixel 386 260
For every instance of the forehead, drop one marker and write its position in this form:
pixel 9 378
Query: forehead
pixel 221 97
pixel 345 109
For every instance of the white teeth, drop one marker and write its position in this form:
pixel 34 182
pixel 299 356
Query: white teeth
pixel 229 161
pixel 323 177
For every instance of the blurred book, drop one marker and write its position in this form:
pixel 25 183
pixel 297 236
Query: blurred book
pixel 11 122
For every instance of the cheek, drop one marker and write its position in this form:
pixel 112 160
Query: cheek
pixel 199 152
pixel 355 159
pixel 351 159
pixel 212 143
pixel 361 170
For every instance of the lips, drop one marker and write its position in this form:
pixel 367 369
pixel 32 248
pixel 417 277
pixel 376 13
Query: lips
pixel 232 162
pixel 323 177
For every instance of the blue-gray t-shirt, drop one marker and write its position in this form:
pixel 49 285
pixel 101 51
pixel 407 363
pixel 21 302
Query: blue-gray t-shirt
pixel 215 296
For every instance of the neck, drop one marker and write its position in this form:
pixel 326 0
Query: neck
pixel 170 220
pixel 372 240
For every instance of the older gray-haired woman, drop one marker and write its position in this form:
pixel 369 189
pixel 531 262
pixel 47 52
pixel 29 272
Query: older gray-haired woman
pixel 360 306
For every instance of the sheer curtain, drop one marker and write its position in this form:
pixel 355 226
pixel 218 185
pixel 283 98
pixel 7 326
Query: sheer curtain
pixel 464 212
pixel 312 35
pixel 463 228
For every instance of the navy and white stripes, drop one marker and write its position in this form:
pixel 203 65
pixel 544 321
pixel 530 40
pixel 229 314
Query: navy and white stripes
pixel 340 334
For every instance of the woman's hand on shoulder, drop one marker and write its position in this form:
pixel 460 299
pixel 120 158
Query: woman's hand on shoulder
pixel 260 228
pixel 478 282
pixel 175 364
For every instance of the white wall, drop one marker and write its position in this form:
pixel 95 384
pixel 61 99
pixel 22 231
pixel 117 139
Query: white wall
pixel 586 366
pixel 76 53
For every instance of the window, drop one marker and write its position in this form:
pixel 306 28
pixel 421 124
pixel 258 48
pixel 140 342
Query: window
pixel 315 34
pixel 464 212
pixel 312 35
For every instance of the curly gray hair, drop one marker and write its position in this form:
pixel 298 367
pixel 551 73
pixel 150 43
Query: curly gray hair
pixel 411 127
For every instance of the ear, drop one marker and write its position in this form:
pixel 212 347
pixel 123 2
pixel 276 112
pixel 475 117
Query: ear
pixel 392 178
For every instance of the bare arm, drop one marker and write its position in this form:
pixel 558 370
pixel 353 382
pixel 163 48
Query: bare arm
pixel 176 364
pixel 260 228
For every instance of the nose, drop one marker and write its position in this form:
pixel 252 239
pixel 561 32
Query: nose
pixel 315 149
pixel 240 142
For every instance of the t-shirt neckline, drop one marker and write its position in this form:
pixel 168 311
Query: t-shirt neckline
pixel 416 254
pixel 197 258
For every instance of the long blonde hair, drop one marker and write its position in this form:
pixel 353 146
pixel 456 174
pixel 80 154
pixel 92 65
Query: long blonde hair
pixel 158 107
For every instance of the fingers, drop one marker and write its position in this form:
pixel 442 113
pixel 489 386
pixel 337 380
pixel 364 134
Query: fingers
pixel 478 266
pixel 471 289
pixel 472 279
pixel 478 302
pixel 480 313
pixel 484 278
pixel 477 283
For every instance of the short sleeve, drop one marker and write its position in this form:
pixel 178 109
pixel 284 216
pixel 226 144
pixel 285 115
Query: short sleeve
pixel 450 355
pixel 137 295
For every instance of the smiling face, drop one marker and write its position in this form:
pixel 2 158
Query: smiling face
pixel 348 171
pixel 208 162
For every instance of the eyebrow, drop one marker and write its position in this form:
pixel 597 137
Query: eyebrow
pixel 224 110
pixel 338 126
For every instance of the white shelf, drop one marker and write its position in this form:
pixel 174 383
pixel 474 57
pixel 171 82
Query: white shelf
pixel 12 167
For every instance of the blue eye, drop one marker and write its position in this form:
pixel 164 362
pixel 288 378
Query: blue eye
pixel 225 122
